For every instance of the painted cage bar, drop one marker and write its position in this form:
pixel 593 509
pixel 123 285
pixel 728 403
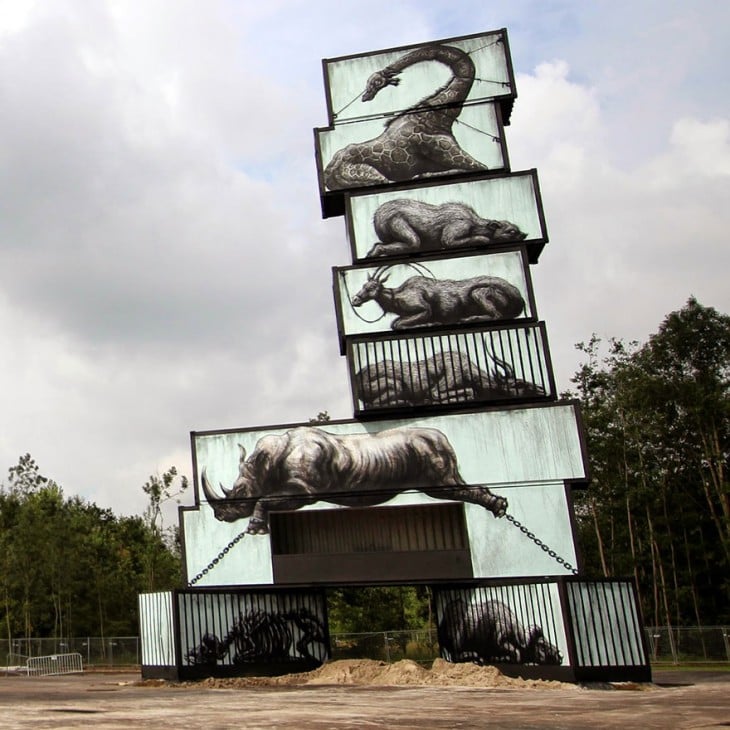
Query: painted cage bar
pixel 233 632
pixel 157 629
pixel 478 367
pixel 566 628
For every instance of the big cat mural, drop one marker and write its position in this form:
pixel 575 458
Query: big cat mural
pixel 406 226
pixel 518 624
pixel 451 370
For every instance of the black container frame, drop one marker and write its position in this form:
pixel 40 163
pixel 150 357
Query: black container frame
pixel 184 670
pixel 342 296
pixel 534 244
pixel 435 397
pixel 619 649
pixel 333 201
pixel 500 35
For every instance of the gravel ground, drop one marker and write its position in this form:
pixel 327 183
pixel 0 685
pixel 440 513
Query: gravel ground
pixel 675 700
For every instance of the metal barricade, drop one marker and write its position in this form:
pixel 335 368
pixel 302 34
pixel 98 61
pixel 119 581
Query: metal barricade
pixel 15 663
pixel 45 666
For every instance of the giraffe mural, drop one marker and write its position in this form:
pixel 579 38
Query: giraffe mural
pixel 418 142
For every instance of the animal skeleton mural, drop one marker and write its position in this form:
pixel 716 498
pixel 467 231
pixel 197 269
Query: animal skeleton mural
pixel 448 377
pixel 417 142
pixel 264 636
pixel 306 464
pixel 489 632
pixel 422 302
pixel 409 226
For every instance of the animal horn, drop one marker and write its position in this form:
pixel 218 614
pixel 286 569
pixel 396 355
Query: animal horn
pixel 210 495
pixel 378 275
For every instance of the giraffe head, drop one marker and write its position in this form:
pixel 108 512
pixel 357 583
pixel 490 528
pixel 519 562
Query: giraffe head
pixel 379 80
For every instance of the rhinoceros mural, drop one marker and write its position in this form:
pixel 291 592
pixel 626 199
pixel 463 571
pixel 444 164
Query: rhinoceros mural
pixel 307 464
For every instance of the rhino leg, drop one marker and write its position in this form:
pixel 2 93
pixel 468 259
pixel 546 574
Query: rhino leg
pixel 257 527
pixel 478 494
pixel 259 522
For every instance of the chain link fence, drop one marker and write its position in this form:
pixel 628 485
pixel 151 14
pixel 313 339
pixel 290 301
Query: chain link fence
pixel 687 645
pixel 387 646
pixel 666 645
pixel 101 652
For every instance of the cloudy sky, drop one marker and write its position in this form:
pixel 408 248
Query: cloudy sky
pixel 163 263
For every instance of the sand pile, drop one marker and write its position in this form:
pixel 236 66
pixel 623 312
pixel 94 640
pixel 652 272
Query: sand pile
pixel 377 673
pixel 441 674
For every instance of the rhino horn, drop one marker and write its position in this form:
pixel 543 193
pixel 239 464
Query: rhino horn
pixel 210 495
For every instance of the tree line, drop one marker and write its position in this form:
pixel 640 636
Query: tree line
pixel 657 418
pixel 71 568
pixel 657 421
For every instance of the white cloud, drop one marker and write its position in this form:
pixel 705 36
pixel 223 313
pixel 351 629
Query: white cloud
pixel 629 242
pixel 163 266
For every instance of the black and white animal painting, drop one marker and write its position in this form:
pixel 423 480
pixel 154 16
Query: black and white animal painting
pixel 417 142
pixel 264 636
pixel 421 301
pixel 406 226
pixel 304 465
pixel 489 632
pixel 447 377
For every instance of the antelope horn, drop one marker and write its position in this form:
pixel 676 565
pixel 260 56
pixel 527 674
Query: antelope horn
pixel 378 273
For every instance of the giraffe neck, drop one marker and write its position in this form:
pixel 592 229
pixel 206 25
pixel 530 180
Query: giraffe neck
pixel 457 88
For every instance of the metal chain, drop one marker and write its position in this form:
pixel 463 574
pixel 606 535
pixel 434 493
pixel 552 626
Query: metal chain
pixel 499 39
pixel 349 103
pixel 545 548
pixel 530 535
pixel 491 81
pixel 218 558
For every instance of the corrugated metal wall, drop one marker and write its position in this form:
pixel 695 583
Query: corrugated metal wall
pixel 156 626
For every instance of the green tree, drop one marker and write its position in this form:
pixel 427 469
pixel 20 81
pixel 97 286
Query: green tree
pixel 658 426
pixel 25 478
pixel 379 608
pixel 68 567
pixel 161 563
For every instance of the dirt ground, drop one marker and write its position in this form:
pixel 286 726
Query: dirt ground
pixel 365 694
